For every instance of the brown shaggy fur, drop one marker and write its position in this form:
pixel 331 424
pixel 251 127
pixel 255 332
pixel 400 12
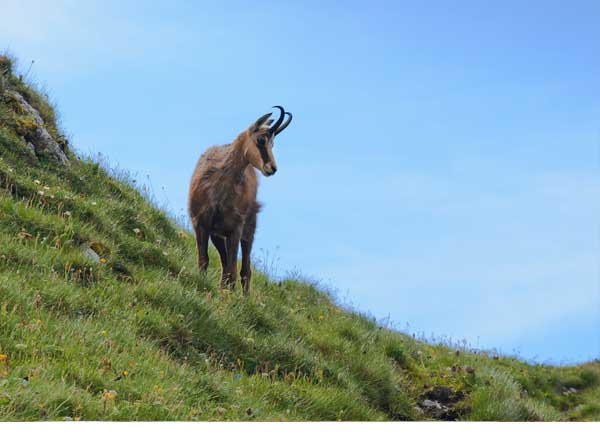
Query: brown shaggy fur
pixel 222 198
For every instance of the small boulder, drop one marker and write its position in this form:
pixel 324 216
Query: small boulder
pixel 91 254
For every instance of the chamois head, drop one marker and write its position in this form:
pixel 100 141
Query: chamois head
pixel 258 141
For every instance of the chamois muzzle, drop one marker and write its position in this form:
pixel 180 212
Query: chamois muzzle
pixel 269 169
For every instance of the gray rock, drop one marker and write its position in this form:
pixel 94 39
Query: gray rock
pixel 30 147
pixel 431 404
pixel 41 139
pixel 91 254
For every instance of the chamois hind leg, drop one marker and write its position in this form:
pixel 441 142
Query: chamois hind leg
pixel 202 243
pixel 219 243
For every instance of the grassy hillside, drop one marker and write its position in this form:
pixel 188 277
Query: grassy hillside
pixel 103 316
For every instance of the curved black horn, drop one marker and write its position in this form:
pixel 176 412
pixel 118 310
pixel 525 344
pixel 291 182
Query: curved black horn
pixel 284 126
pixel 276 125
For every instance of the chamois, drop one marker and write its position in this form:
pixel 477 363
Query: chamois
pixel 222 197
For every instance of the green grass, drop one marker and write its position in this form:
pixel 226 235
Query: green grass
pixel 142 335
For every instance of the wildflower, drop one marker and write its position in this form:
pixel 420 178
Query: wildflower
pixel 39 322
pixel 125 373
pixel 102 260
pixel 321 317
pixel 68 213
pixel 3 357
pixel 47 188
pixel 165 253
pixel 109 395
pixel 37 182
pixel 41 193
pixel 103 333
pixel 136 230
pixel 94 203
pixel 182 234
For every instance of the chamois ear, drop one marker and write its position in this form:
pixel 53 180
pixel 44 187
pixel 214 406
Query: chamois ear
pixel 260 122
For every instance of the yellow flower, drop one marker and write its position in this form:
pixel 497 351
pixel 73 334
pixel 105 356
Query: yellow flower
pixel 109 395
pixel 125 373
pixel 103 332
pixel 39 322
pixel 3 357
pixel 102 260
pixel 321 317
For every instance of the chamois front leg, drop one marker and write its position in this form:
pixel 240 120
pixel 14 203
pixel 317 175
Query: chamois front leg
pixel 230 273
pixel 246 272
pixel 219 243
pixel 247 240
pixel 202 244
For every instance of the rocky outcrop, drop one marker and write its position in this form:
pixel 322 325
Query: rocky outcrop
pixel 38 139
pixel 441 403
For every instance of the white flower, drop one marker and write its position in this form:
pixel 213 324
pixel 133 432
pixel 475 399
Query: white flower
pixel 94 203
pixel 136 230
pixel 41 193
pixel 37 182
pixel 68 213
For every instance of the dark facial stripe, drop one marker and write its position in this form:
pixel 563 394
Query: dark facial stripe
pixel 264 155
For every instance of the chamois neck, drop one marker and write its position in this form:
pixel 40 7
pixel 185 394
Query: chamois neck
pixel 235 162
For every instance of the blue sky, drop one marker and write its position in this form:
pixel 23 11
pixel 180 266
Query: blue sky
pixel 441 169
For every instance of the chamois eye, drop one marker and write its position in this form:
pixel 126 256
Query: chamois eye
pixel 260 140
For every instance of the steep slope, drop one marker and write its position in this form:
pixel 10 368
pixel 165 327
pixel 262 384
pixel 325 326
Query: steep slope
pixel 103 316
